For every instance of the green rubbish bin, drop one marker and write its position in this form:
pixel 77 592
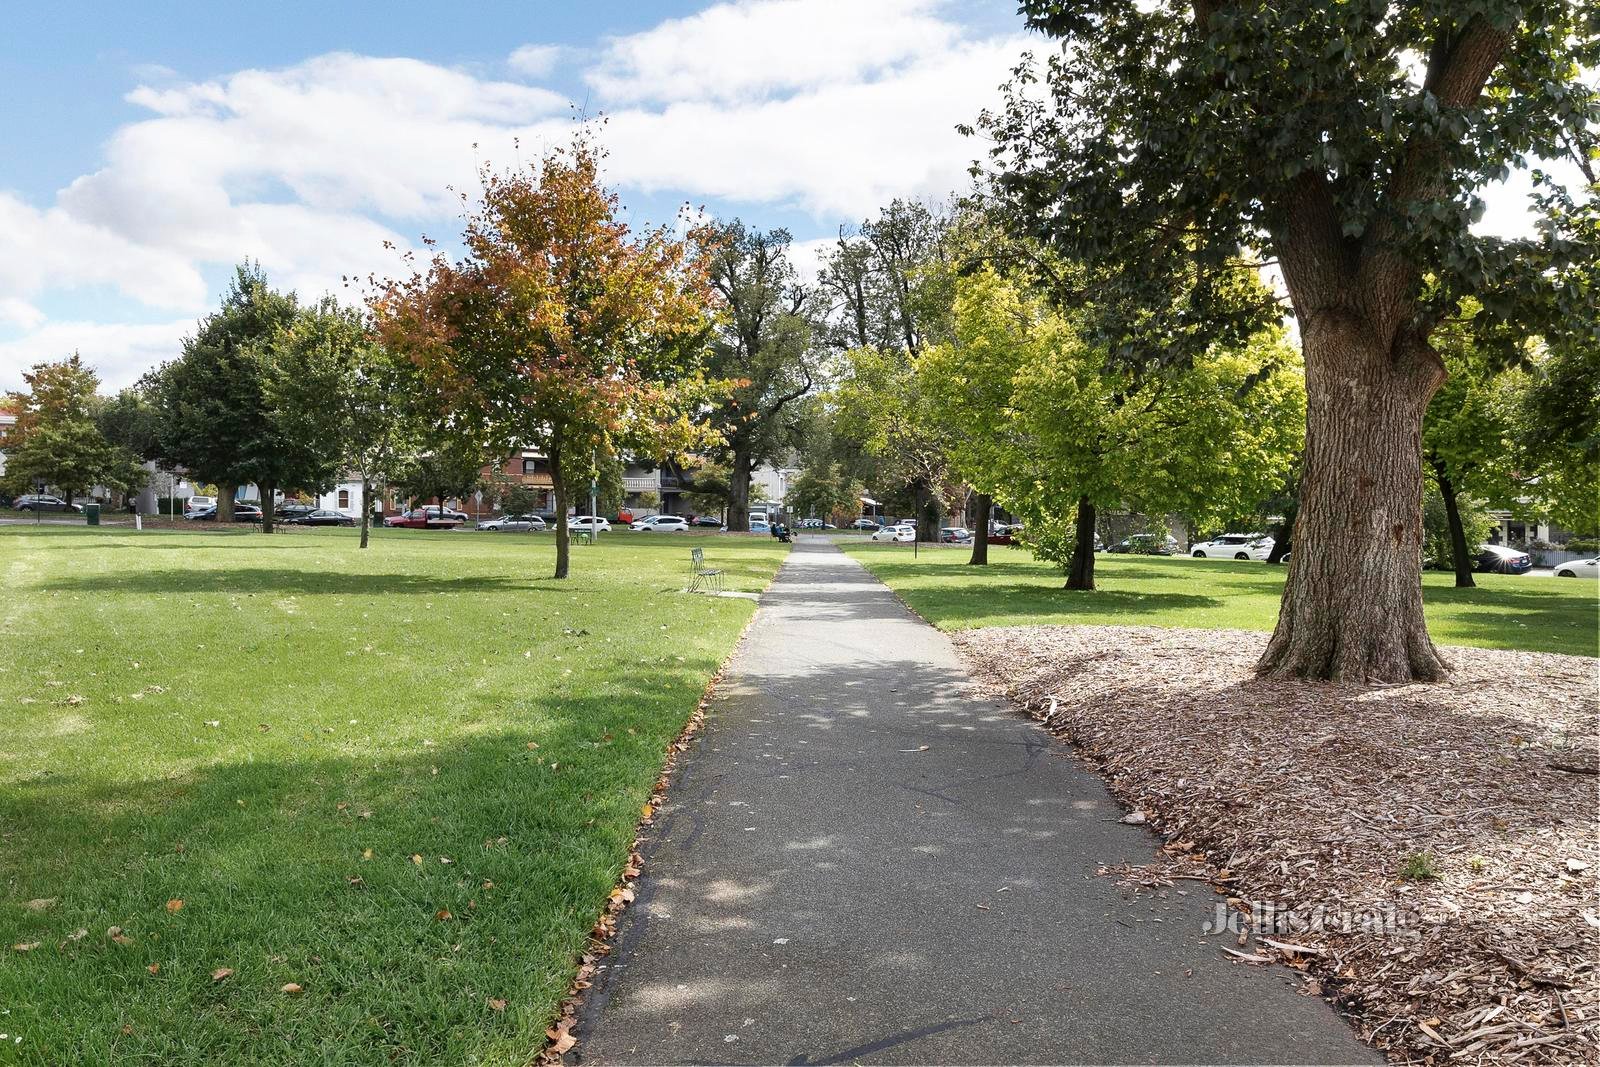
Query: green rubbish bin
pixel 91 514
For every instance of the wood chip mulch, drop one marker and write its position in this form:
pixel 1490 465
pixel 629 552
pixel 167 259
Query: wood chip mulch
pixel 1426 854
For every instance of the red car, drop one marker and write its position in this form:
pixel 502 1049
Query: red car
pixel 428 518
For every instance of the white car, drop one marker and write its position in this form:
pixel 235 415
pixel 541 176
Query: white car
pixel 1234 546
pixel 899 533
pixel 198 503
pixel 661 524
pixel 1579 568
pixel 514 524
pixel 592 523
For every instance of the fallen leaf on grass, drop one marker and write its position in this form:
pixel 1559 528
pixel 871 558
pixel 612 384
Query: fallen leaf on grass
pixel 416 857
pixel 646 810
pixel 221 973
pixel 115 934
pixel 496 1004
pixel 366 853
pixel 174 905
pixel 154 968
pixel 25 946
pixel 293 989
pixel 443 915
pixel 39 904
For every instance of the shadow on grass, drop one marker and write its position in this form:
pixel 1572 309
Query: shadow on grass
pixel 489 861
pixel 249 580
pixel 966 605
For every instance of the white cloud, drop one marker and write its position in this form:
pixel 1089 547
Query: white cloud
pixel 838 152
pixel 751 48
pixel 535 60
pixel 119 352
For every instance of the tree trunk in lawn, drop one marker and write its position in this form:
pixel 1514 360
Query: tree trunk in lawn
pixel 366 510
pixel 268 507
pixel 980 534
pixel 1458 534
pixel 225 494
pixel 1080 574
pixel 739 490
pixel 563 533
pixel 1352 604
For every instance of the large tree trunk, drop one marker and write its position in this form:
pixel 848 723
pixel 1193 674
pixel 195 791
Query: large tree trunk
pixel 366 509
pixel 269 507
pixel 739 490
pixel 1352 604
pixel 225 494
pixel 925 512
pixel 1459 559
pixel 1080 575
pixel 980 532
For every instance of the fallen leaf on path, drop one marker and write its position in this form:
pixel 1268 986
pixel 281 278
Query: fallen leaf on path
pixel 561 1039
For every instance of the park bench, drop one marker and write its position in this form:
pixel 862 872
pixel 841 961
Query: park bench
pixel 705 578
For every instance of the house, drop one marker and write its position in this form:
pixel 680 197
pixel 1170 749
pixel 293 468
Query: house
pixel 8 419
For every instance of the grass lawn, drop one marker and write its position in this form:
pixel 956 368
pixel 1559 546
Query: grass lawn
pixel 403 779
pixel 1505 611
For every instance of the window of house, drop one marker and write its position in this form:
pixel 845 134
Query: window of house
pixel 344 498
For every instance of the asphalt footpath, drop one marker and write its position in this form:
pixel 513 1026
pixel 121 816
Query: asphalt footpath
pixel 861 862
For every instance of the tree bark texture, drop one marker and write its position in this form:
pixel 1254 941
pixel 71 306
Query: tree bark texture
pixel 225 495
pixel 1460 559
pixel 739 491
pixel 1080 573
pixel 366 510
pixel 1352 604
pixel 980 532
pixel 269 507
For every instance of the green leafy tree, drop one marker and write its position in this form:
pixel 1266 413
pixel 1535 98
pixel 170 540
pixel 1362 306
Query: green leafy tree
pixel 706 488
pixel 761 350
pixel 1555 424
pixel 1170 145
pixel 336 391
pixel 216 418
pixel 1452 532
pixel 1057 433
pixel 56 440
pixel 1467 444
pixel 827 493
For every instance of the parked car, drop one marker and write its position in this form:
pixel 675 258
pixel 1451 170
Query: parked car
pixel 1001 533
pixel 1579 568
pixel 514 524
pixel 624 517
pixel 756 527
pixel 706 520
pixel 593 523
pixel 425 518
pixel 897 533
pixel 1234 546
pixel 865 523
pixel 322 517
pixel 242 512
pixel 198 503
pixel 1502 560
pixel 955 535
pixel 1146 545
pixel 291 512
pixel 43 502
pixel 661 524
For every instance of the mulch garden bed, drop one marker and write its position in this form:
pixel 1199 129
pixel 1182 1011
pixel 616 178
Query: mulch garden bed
pixel 1425 855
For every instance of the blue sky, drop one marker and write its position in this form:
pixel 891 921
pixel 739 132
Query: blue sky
pixel 160 142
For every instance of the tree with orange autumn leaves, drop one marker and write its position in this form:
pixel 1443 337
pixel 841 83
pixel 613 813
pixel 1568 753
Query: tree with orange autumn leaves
pixel 560 329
